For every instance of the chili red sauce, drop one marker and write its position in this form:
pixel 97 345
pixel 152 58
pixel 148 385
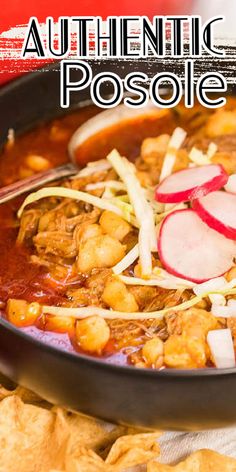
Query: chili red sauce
pixel 21 279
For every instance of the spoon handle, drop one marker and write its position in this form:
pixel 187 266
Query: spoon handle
pixel 30 183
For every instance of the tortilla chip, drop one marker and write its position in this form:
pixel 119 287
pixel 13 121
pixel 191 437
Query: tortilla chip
pixel 26 437
pixel 36 437
pixel 128 451
pixel 55 439
pixel 87 432
pixel 200 461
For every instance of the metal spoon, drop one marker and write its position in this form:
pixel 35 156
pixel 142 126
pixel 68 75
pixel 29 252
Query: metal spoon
pixel 94 125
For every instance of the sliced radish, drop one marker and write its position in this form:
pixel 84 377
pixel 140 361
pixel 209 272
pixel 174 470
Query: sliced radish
pixel 231 184
pixel 188 248
pixel 191 183
pixel 218 210
pixel 221 346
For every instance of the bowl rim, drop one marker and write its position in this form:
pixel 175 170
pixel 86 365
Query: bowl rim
pixel 128 369
pixel 73 356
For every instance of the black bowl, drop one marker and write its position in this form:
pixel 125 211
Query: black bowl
pixel 168 399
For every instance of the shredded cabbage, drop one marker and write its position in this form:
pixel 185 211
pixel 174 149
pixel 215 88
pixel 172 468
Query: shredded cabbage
pixel 159 272
pixel 226 291
pixel 64 192
pixel 85 312
pixel 155 282
pixel 227 288
pixel 122 198
pixel 175 143
pixel 127 209
pixel 179 206
pixel 106 183
pixel 198 157
pixel 142 210
pixel 149 193
pixel 129 258
pixel 108 193
pixel 93 167
pixel 219 285
pixel 123 205
pixel 210 285
pixel 212 148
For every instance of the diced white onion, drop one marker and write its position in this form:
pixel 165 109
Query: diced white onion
pixel 232 302
pixel 223 311
pixel 217 299
pixel 228 311
pixel 221 346
pixel 176 140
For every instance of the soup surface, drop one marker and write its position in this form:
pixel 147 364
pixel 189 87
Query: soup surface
pixel 72 269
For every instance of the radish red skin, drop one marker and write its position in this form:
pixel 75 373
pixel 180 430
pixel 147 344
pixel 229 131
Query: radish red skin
pixel 213 222
pixel 193 193
pixel 175 271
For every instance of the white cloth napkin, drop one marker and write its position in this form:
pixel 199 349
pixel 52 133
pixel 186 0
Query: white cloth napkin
pixel 176 446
